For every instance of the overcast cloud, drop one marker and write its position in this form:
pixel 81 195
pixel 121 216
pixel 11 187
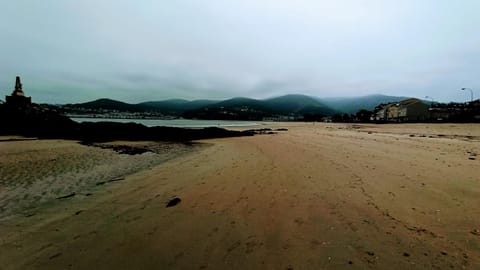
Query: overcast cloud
pixel 74 51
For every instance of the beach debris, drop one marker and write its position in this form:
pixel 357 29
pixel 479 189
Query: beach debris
pixel 260 131
pixel 406 254
pixel 116 179
pixel 55 255
pixel 444 253
pixel 78 212
pixel 281 129
pixel 473 155
pixel 174 202
pixel 475 232
pixel 120 178
pixel 67 196
pixel 372 259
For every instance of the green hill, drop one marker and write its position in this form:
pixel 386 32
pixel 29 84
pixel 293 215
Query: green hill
pixel 298 104
pixel 241 108
pixel 354 104
pixel 106 104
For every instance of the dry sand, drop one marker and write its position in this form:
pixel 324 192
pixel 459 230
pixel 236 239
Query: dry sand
pixel 319 196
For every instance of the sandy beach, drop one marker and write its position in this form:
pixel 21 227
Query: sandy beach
pixel 34 172
pixel 318 196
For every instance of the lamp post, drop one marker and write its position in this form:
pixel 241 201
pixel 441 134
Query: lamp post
pixel 471 92
pixel 428 97
pixel 430 110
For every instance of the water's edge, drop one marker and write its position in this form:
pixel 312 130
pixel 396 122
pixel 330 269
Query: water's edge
pixel 172 123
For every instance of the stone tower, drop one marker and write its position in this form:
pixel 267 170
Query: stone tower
pixel 18 98
pixel 18 87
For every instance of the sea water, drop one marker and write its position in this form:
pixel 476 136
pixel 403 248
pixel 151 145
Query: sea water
pixel 173 122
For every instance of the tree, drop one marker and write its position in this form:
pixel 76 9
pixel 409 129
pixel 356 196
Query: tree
pixel 363 116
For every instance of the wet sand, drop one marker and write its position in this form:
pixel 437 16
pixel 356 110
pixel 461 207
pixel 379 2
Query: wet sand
pixel 319 196
pixel 34 172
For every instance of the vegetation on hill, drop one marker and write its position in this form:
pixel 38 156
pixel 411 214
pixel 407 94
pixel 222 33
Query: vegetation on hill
pixel 240 108
pixel 105 104
pixel 355 104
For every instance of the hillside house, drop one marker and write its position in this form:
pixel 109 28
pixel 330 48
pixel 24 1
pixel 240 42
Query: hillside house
pixel 409 110
pixel 456 112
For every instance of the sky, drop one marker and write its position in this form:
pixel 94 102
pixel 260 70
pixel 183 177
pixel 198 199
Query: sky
pixel 70 51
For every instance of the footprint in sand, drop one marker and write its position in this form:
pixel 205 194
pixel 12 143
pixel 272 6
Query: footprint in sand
pixel 299 221
pixel 215 230
pixel 234 246
pixel 251 245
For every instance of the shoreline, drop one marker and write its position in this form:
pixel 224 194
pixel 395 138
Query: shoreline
pixel 178 123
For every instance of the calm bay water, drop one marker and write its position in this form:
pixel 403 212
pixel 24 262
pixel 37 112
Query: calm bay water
pixel 173 122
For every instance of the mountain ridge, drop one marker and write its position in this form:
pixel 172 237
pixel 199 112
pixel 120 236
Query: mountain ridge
pixel 291 104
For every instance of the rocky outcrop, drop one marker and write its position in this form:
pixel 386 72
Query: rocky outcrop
pixel 37 121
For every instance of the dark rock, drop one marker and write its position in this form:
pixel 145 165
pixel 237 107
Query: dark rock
pixel 40 121
pixel 67 196
pixel 173 202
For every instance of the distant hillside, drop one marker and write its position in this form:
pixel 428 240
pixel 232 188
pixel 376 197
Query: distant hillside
pixel 298 104
pixel 232 109
pixel 106 104
pixel 253 109
pixel 354 104
pixel 241 103
pixel 239 108
pixel 167 107
pixel 176 106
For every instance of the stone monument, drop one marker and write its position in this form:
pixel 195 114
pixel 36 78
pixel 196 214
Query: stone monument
pixel 18 98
